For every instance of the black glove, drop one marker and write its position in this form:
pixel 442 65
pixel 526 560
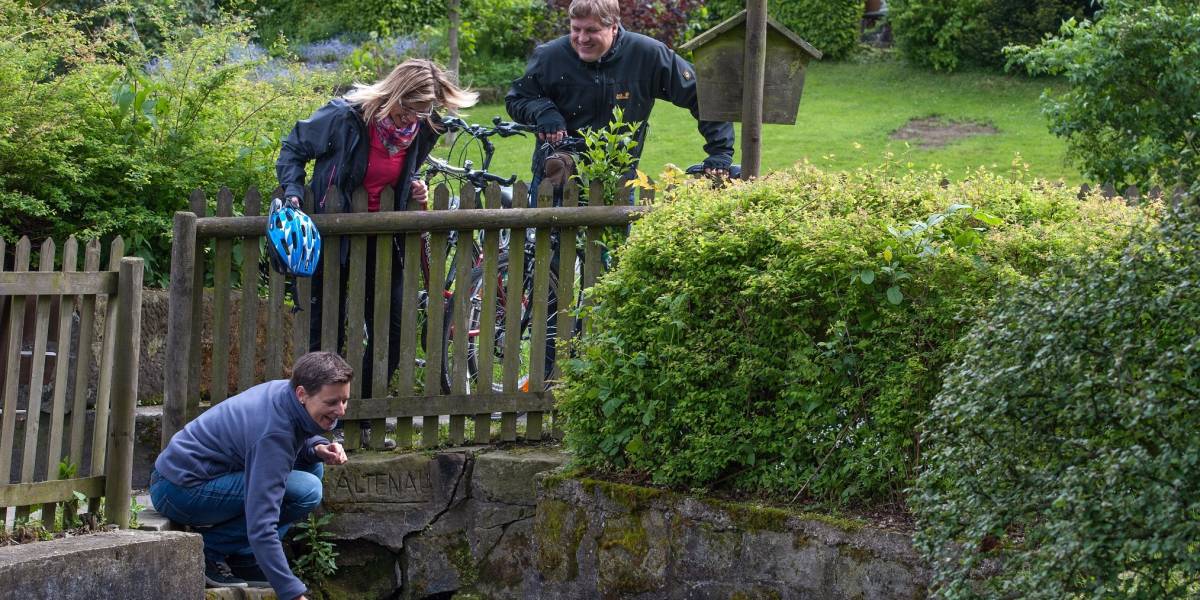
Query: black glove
pixel 718 161
pixel 550 121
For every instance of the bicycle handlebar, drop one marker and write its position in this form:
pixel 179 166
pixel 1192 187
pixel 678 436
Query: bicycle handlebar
pixel 569 144
pixel 499 127
pixel 508 128
pixel 477 177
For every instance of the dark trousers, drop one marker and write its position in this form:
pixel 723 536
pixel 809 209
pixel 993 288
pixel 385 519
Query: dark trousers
pixel 364 374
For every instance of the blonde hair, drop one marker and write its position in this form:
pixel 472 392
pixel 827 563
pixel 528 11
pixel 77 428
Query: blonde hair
pixel 414 81
pixel 607 11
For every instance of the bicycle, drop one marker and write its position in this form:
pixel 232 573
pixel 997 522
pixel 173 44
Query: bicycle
pixel 570 147
pixel 478 145
pixel 566 151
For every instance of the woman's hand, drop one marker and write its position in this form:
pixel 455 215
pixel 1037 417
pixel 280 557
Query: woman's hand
pixel 419 192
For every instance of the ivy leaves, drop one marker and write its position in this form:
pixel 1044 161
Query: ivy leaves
pixel 1066 433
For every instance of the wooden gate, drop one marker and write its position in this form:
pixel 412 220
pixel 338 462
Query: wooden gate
pixel 53 439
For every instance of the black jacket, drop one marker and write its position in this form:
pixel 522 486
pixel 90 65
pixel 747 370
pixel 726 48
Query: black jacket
pixel 560 91
pixel 336 137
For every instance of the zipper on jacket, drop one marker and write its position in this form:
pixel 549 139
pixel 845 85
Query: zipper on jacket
pixel 329 183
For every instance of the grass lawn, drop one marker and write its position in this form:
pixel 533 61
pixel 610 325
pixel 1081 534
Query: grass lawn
pixel 845 119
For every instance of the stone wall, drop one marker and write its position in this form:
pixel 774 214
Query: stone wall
pixel 146 440
pixel 603 540
pixel 152 363
pixel 428 525
pixel 474 523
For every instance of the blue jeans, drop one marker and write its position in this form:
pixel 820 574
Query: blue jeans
pixel 216 509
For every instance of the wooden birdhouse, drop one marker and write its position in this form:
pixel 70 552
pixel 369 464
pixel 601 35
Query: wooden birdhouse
pixel 719 56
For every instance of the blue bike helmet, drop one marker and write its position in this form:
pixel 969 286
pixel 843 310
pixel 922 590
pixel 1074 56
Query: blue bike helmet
pixel 293 239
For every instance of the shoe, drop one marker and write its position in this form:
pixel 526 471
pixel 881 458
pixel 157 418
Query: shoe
pixel 217 574
pixel 246 568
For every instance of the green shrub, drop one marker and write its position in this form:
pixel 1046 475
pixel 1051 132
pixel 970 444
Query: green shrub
pixel 948 34
pixel 930 33
pixel 788 335
pixel 302 21
pixel 99 143
pixel 829 25
pixel 502 29
pixel 1067 435
pixel 1131 113
pixel 147 21
pixel 492 73
pixel 494 40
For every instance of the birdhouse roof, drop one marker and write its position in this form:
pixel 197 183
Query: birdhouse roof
pixel 740 19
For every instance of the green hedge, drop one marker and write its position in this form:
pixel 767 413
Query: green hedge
pixel 788 335
pixel 302 21
pixel 1066 440
pixel 829 25
pixel 948 34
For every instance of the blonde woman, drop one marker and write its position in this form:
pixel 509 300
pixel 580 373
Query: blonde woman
pixel 375 136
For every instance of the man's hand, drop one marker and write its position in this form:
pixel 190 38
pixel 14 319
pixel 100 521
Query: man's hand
pixel 553 137
pixel 716 167
pixel 331 454
pixel 294 201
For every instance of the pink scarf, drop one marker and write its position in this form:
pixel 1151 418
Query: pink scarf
pixel 395 138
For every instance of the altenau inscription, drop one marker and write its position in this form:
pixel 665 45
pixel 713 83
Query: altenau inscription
pixel 393 486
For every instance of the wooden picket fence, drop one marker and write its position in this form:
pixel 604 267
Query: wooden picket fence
pixel 55 299
pixel 416 394
pixel 1131 194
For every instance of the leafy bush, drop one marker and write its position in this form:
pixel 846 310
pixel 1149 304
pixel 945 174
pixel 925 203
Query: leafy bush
pixel 1067 435
pixel 788 335
pixel 1131 113
pixel 495 39
pixel 97 143
pixel 148 22
pixel 496 73
pixel 829 25
pixel 948 34
pixel 302 21
pixel 502 29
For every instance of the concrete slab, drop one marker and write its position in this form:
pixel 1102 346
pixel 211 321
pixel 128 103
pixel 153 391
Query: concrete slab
pixel 132 565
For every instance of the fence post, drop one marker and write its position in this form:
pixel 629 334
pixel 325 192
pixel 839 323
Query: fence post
pixel 179 326
pixel 119 475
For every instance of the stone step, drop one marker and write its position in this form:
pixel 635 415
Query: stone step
pixel 152 520
pixel 239 594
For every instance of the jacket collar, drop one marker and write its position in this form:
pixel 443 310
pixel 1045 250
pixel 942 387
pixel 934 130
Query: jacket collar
pixel 298 414
pixel 611 55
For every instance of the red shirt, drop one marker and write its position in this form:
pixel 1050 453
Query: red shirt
pixel 382 170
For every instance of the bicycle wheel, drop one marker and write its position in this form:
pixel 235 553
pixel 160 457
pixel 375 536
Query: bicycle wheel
pixel 500 339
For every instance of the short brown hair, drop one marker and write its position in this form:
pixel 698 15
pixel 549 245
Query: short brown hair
pixel 317 369
pixel 607 11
